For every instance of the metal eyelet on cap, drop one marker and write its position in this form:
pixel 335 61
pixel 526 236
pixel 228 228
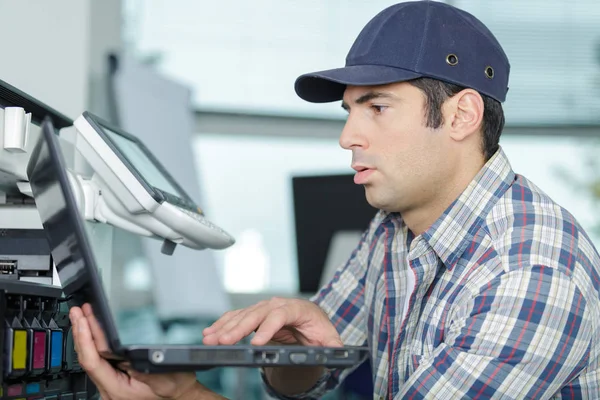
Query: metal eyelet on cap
pixel 489 72
pixel 452 59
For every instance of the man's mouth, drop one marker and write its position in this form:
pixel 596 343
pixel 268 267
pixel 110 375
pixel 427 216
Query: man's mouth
pixel 362 173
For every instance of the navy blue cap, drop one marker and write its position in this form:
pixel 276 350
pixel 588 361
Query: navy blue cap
pixel 412 40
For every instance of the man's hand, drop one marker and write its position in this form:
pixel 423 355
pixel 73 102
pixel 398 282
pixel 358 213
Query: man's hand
pixel 285 321
pixel 130 385
pixel 279 321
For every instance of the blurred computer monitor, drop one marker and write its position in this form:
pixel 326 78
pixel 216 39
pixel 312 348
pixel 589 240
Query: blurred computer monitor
pixel 330 213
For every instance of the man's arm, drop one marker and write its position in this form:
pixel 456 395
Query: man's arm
pixel 291 381
pixel 525 335
pixel 342 301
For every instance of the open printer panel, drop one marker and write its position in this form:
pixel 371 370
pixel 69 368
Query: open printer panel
pixel 36 342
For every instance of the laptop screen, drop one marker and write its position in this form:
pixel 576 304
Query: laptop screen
pixel 65 230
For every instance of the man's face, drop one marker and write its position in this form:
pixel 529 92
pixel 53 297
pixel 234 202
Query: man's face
pixel 402 164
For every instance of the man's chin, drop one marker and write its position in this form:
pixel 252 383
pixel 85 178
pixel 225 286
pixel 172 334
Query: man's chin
pixel 374 200
pixel 380 203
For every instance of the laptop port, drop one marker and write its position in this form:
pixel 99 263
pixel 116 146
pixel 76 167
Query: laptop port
pixel 340 354
pixel 298 358
pixel 267 357
pixel 158 356
pixel 8 267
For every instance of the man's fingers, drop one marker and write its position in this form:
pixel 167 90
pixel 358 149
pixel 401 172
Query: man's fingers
pixel 333 341
pixel 242 326
pixel 96 367
pixel 75 313
pixel 224 334
pixel 272 324
pixel 235 326
pixel 225 318
pixel 228 316
pixel 97 332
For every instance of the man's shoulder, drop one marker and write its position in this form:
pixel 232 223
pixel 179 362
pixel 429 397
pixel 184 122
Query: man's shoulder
pixel 527 226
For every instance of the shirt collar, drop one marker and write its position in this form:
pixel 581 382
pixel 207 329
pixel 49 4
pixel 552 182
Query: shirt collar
pixel 454 230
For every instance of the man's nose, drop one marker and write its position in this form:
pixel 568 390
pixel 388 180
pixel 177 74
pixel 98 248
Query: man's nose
pixel 352 135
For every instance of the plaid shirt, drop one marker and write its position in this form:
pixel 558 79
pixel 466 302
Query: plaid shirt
pixel 505 301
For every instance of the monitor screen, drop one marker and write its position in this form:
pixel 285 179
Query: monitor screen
pixel 323 206
pixel 137 156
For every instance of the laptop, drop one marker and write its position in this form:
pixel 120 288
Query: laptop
pixel 78 272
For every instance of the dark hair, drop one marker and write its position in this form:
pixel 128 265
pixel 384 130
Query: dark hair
pixel 437 92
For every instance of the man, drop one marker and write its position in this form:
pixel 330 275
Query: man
pixel 470 282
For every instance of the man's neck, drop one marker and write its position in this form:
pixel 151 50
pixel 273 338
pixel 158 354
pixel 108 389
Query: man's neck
pixel 421 218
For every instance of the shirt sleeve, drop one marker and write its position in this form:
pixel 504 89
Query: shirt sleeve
pixel 525 335
pixel 342 299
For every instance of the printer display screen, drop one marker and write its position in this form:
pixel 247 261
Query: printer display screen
pixel 138 158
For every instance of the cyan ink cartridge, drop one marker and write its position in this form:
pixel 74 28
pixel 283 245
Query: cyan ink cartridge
pixel 54 344
pixel 54 336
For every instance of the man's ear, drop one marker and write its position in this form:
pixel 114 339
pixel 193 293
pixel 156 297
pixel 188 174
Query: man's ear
pixel 466 114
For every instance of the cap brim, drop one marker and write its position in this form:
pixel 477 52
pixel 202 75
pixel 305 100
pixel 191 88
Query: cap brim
pixel 329 85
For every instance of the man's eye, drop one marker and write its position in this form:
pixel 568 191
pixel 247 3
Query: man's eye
pixel 378 109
